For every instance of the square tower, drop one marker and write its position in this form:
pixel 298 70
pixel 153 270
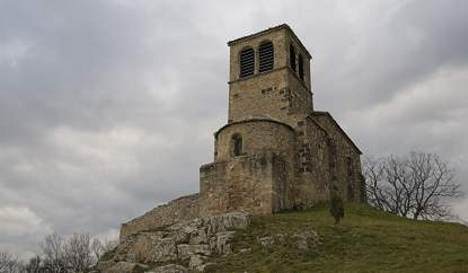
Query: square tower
pixel 269 77
pixel 276 152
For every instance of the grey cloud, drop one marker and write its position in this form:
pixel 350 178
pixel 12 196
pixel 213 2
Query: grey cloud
pixel 107 108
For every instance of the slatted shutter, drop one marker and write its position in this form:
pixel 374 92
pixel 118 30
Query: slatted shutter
pixel 266 56
pixel 247 62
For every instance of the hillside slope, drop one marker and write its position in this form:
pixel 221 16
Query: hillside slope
pixel 367 241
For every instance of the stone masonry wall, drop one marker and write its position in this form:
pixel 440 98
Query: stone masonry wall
pixel 180 209
pixel 257 135
pixel 313 177
pixel 255 184
pixel 348 161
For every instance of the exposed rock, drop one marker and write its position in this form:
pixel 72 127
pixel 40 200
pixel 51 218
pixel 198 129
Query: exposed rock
pixel 181 209
pixel 221 244
pixel 125 267
pixel 303 240
pixel 306 239
pixel 245 250
pixel 186 251
pixel 170 268
pixel 183 230
pixel 267 241
pixel 197 263
pixel 148 248
pixel 228 221
pixel 190 242
pixel 163 250
pixel 198 236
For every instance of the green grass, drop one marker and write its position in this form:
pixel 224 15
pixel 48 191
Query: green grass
pixel 366 241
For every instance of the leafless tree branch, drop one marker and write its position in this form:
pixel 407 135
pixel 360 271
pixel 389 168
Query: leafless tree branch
pixel 417 186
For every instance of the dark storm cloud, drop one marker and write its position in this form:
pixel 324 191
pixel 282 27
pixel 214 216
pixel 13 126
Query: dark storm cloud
pixel 107 108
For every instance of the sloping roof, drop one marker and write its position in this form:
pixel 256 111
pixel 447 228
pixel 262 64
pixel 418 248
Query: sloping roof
pixel 268 30
pixel 326 114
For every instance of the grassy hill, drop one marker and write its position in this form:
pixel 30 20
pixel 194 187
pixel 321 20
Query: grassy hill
pixel 366 241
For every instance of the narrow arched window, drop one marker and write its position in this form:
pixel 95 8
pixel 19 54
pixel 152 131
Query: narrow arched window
pixel 236 145
pixel 301 67
pixel 292 57
pixel 266 56
pixel 247 62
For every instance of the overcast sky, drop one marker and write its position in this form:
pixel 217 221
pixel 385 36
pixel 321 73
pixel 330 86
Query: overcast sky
pixel 108 108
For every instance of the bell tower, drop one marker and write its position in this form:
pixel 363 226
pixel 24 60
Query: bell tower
pixel 269 77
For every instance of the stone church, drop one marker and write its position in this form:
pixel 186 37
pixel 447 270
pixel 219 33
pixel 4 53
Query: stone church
pixel 276 152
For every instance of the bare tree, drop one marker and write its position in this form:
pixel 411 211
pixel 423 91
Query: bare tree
pixel 417 186
pixel 99 247
pixel 74 254
pixel 77 252
pixel 9 263
pixel 34 265
pixel 54 254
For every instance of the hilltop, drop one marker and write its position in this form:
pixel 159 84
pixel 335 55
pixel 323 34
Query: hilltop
pixel 367 240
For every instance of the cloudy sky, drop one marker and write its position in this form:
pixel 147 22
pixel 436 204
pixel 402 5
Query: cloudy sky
pixel 107 108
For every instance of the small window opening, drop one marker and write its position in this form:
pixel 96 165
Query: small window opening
pixel 301 67
pixel 236 145
pixel 247 62
pixel 292 58
pixel 266 57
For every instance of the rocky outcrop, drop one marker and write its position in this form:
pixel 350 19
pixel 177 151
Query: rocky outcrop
pixel 185 246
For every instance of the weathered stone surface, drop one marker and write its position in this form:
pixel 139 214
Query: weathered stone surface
pixel 186 251
pixel 196 263
pixel 245 250
pixel 303 240
pixel 306 239
pixel 198 236
pixel 148 247
pixel 170 268
pixel 124 267
pixel 221 243
pixel 227 221
pixel 181 209
pixel 187 242
pixel 163 250
pixel 267 241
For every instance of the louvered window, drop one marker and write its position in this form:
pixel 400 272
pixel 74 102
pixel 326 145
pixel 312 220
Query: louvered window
pixel 247 62
pixel 292 57
pixel 266 55
pixel 301 67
